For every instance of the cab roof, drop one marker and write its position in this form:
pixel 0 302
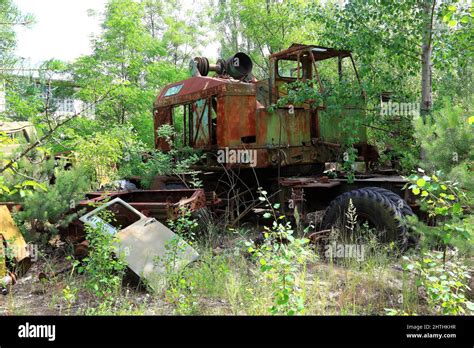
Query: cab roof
pixel 319 52
pixel 198 87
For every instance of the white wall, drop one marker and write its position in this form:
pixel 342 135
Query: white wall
pixel 2 95
pixel 78 107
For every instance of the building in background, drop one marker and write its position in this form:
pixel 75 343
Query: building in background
pixel 2 96
pixel 57 95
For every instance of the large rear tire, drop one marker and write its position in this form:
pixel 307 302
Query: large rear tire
pixel 405 210
pixel 401 204
pixel 373 207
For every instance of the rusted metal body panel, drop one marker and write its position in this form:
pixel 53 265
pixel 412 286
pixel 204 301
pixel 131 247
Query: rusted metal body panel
pixel 161 116
pixel 332 133
pixel 236 121
pixel 194 88
pixel 202 99
pixel 325 125
pixel 322 52
pixel 160 204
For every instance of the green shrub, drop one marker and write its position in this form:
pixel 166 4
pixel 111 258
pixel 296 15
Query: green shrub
pixel 103 268
pixel 46 211
pixel 445 283
pixel 282 260
pixel 447 208
pixel 147 164
pixel 447 140
pixel 100 153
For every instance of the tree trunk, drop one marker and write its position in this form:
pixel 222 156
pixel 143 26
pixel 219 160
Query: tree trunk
pixel 426 63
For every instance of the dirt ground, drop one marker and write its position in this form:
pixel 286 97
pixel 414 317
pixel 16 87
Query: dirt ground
pixel 38 292
pixel 33 296
pixel 30 296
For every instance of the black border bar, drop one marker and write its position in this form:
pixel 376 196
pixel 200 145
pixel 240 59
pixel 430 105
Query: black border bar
pixel 243 331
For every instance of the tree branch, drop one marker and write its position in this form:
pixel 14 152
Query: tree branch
pixel 380 36
pixel 48 134
pixel 16 23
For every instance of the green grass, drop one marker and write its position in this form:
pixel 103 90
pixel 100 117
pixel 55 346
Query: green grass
pixel 227 281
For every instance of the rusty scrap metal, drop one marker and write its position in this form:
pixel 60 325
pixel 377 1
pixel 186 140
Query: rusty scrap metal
pixel 147 245
pixel 238 66
pixel 315 182
pixel 160 204
pixel 220 112
pixel 315 237
pixel 13 247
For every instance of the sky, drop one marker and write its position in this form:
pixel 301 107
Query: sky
pixel 62 29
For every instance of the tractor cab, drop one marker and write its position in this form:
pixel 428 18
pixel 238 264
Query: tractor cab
pixel 323 65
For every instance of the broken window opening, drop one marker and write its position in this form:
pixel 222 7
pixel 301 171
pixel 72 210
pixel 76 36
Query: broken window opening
pixel 290 69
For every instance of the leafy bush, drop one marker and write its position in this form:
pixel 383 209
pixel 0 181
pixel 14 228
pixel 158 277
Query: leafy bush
pixel 46 211
pixel 22 188
pixel 445 283
pixel 101 152
pixel 103 268
pixel 445 204
pixel 185 225
pixel 282 260
pixel 24 177
pixel 147 164
pixel 182 294
pixel 447 140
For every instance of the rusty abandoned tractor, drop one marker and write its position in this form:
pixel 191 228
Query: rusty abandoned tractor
pixel 244 145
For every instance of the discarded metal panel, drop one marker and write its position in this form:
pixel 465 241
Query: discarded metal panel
pixel 162 205
pixel 148 246
pixel 11 234
pixel 152 250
